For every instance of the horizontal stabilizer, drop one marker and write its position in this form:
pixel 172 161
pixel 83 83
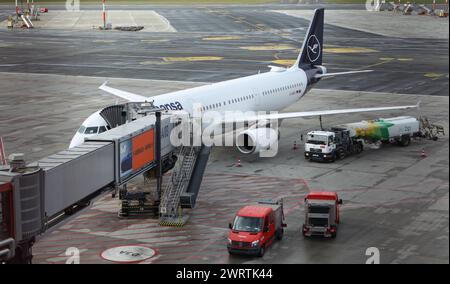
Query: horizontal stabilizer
pixel 341 73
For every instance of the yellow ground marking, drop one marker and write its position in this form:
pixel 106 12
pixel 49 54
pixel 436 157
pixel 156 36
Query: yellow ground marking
pixel 405 59
pixel 284 62
pixel 104 40
pixel 222 38
pixel 434 76
pixel 387 58
pixel 4 45
pixel 268 47
pixel 192 58
pixel 348 50
pixel 154 62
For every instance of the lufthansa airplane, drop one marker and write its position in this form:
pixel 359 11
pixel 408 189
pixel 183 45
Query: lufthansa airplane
pixel 270 91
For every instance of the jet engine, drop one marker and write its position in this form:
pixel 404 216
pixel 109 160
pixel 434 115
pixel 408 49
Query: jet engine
pixel 253 141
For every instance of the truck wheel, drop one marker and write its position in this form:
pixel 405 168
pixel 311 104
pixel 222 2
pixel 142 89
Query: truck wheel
pixel 261 252
pixel 333 158
pixel 359 148
pixel 405 140
pixel 341 154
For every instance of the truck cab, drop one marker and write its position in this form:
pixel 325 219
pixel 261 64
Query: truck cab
pixel 331 145
pixel 255 227
pixel 321 214
pixel 319 145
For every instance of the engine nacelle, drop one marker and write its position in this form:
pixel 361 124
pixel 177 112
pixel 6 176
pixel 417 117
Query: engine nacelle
pixel 253 141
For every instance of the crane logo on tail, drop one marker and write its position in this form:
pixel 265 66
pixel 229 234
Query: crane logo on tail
pixel 314 48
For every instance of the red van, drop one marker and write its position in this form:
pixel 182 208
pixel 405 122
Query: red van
pixel 255 227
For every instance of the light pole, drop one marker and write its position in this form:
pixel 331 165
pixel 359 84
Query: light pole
pixel 104 14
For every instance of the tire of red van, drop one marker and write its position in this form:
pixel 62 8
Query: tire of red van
pixel 279 234
pixel 261 251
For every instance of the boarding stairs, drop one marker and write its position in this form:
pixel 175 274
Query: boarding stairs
pixel 170 209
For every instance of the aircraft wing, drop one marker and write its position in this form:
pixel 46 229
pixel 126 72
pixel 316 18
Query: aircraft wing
pixel 288 115
pixel 123 94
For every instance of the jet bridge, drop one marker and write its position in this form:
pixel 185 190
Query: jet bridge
pixel 38 195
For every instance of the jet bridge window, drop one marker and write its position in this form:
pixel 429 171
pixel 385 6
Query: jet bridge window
pixel 91 130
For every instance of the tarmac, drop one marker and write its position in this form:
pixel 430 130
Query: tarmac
pixel 385 23
pixel 394 199
pixel 226 43
pixel 86 20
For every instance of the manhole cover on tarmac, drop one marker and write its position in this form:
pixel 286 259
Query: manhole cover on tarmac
pixel 128 254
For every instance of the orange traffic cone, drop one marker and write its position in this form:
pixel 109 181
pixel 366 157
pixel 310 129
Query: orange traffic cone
pixel 295 146
pixel 423 154
pixel 238 164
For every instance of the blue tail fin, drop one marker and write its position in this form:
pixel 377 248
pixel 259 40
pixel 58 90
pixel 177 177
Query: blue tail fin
pixel 312 48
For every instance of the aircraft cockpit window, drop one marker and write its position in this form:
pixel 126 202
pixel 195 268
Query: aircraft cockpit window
pixel 81 129
pixel 91 130
pixel 102 129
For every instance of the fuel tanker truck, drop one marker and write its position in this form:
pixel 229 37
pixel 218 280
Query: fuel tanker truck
pixel 346 139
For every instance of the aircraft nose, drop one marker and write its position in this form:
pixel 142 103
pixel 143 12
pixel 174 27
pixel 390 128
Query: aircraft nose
pixel 77 140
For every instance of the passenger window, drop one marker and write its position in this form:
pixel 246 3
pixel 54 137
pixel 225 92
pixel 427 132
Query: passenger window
pixel 91 130
pixel 102 129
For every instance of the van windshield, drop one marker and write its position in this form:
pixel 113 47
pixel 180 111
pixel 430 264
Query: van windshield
pixel 247 224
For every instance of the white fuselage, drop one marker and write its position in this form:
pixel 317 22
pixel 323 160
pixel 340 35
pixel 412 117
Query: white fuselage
pixel 270 91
